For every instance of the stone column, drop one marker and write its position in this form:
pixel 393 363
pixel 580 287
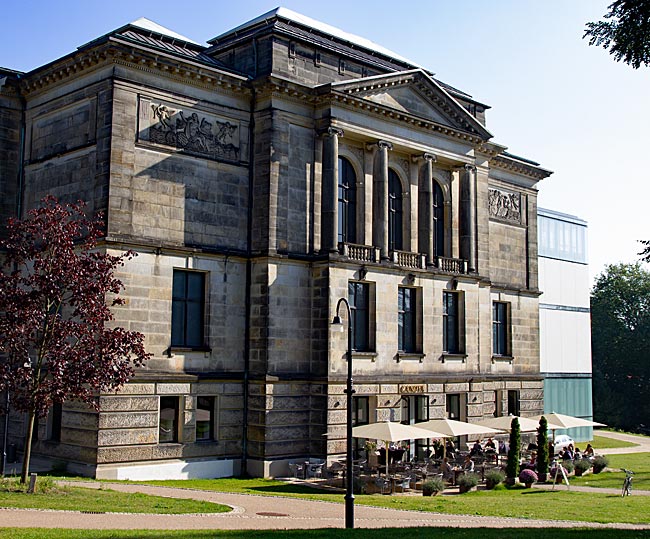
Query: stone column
pixel 468 217
pixel 330 198
pixel 380 197
pixel 425 210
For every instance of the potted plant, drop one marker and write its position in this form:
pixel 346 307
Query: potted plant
pixel 467 482
pixel 512 468
pixel 527 477
pixel 493 478
pixel 542 449
pixel 432 487
pixel 581 466
pixel 599 463
pixel 568 466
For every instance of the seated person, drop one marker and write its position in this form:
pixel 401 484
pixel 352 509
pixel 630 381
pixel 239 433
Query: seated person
pixel 468 465
pixel 451 448
pixel 477 449
pixel 447 470
pixel 589 452
pixel 490 445
pixel 503 447
pixel 532 463
pixel 569 454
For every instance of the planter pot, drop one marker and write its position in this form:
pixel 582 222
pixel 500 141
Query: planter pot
pixel 490 484
pixel 427 493
pixel 463 490
pixel 578 472
pixel 510 481
pixel 542 477
pixel 528 485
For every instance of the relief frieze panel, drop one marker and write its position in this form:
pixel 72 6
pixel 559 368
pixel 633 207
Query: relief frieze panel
pixel 504 205
pixel 188 130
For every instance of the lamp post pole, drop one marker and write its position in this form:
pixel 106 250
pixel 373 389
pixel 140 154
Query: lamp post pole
pixel 3 462
pixel 349 391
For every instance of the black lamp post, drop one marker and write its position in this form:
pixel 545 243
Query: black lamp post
pixel 349 490
pixel 3 462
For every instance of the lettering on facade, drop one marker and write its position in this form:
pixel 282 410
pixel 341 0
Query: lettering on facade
pixel 412 389
pixel 191 131
pixel 504 205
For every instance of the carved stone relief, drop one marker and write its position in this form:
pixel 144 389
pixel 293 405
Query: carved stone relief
pixel 504 205
pixel 189 130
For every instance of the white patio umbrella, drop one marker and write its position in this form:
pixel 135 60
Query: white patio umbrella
pixel 389 431
pixel 453 428
pixel 561 421
pixel 526 424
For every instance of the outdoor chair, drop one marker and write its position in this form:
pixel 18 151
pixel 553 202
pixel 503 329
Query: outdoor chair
pixel 383 485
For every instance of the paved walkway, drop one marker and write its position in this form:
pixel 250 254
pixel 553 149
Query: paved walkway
pixel 265 512
pixel 643 443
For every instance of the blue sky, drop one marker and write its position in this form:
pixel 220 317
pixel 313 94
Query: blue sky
pixel 554 99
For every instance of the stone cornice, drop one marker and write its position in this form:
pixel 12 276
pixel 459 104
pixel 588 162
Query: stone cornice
pixel 519 167
pixel 115 51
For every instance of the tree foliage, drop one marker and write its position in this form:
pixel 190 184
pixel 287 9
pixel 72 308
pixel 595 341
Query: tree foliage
pixel 56 290
pixel 514 451
pixel 620 313
pixel 625 31
pixel 542 447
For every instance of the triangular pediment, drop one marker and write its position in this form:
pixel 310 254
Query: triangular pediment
pixel 415 94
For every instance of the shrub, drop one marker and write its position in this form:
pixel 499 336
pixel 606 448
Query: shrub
pixel 528 477
pixel 512 468
pixel 599 463
pixel 542 448
pixel 467 481
pixel 581 466
pixel 433 486
pixel 569 466
pixel 493 478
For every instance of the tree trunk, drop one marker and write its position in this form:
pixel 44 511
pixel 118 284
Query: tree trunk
pixel 27 450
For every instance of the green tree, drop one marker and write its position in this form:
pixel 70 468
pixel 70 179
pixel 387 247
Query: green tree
pixel 625 32
pixel 542 449
pixel 620 314
pixel 512 468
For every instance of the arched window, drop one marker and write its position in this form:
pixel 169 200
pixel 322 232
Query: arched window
pixel 347 213
pixel 395 232
pixel 438 221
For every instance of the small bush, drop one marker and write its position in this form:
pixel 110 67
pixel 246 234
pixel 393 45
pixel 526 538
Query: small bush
pixel 568 465
pixel 44 485
pixel 581 466
pixel 600 463
pixel 467 481
pixel 528 477
pixel 432 486
pixel 493 478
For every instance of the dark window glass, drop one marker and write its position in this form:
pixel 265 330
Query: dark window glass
pixel 406 319
pixel 188 296
pixel 450 337
pixel 438 221
pixel 205 419
pixel 358 300
pixel 360 411
pixel 513 402
pixel 499 329
pixel 168 424
pixel 395 234
pixel 453 407
pixel 347 202
pixel 57 417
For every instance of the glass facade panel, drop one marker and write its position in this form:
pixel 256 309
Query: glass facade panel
pixel 562 237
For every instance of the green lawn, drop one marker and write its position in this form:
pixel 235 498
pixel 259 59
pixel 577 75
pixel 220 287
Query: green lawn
pixel 520 503
pixel 602 442
pixel 105 500
pixel 385 533
pixel 639 463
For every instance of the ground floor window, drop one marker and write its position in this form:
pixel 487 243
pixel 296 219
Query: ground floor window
pixel 169 420
pixel 205 419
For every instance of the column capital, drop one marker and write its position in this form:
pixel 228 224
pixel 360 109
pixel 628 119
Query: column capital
pixel 470 168
pixel 330 131
pixel 379 145
pixel 424 157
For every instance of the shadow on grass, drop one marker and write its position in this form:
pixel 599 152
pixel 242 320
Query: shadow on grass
pixel 292 489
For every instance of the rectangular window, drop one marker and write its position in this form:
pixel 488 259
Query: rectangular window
pixel 205 423
pixel 360 411
pixel 169 420
pixel 358 298
pixel 406 319
pixel 55 421
pixel 513 402
pixel 188 307
pixel 500 344
pixel 453 407
pixel 450 323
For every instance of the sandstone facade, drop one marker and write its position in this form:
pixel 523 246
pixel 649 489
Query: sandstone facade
pixel 221 165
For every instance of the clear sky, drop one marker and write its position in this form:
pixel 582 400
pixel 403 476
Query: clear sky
pixel 554 99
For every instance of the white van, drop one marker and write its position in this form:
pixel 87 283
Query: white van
pixel 562 441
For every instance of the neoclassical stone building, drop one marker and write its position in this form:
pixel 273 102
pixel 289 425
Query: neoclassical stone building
pixel 260 178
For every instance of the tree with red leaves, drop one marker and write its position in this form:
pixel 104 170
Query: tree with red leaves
pixel 56 290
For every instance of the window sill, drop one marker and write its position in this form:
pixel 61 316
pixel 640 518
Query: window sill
pixel 364 355
pixel 502 359
pixel 401 356
pixel 185 349
pixel 456 358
